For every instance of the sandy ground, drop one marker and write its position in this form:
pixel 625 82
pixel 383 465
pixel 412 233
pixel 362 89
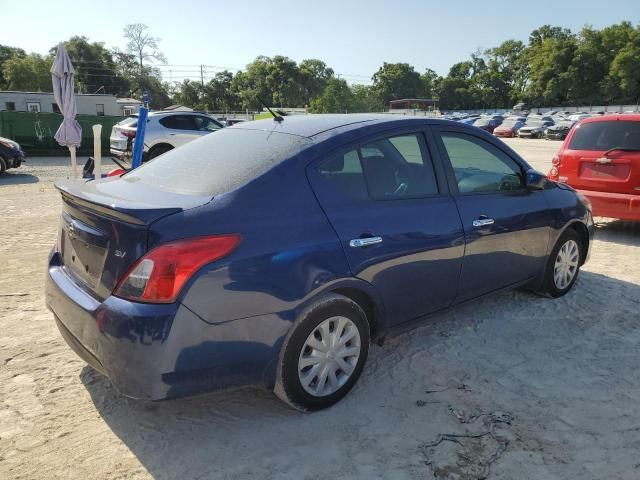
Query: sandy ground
pixel 539 388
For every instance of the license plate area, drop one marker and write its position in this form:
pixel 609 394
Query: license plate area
pixel 605 171
pixel 84 250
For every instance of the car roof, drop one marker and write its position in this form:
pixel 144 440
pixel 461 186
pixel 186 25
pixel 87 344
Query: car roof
pixel 162 112
pixel 629 117
pixel 312 125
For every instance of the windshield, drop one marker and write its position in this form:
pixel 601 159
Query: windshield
pixel 218 162
pixel 606 135
pixel 534 123
pixel 481 122
pixel 509 122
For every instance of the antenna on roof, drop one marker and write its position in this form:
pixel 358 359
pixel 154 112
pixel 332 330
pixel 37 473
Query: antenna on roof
pixel 276 117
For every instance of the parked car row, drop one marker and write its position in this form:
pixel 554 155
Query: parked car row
pixel 551 125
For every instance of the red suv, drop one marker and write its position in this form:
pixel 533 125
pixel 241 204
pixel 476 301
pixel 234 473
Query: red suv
pixel 601 158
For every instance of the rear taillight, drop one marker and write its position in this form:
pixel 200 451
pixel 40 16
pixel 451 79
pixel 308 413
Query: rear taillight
pixel 555 160
pixel 128 132
pixel 158 277
pixel 553 173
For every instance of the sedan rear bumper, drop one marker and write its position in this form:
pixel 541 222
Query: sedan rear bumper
pixel 162 351
pixel 614 205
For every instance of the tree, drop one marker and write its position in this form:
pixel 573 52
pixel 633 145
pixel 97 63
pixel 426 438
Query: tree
pixel 7 53
pixel 189 93
pixel 30 73
pixel 314 75
pixel 625 71
pixel 336 98
pixel 141 48
pixel 276 81
pixel 507 68
pixel 429 83
pixel 218 93
pixel 141 44
pixel 394 81
pixel 550 75
pixel 366 99
pixel 96 69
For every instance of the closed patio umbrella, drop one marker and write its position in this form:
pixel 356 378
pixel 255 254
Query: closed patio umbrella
pixel 69 133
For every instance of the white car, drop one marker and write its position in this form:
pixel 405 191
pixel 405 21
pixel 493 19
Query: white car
pixel 578 116
pixel 165 131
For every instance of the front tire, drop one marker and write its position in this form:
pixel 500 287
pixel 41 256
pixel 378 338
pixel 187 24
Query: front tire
pixel 563 265
pixel 324 355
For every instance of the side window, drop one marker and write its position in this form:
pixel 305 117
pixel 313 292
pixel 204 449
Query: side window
pixel 204 124
pixel 344 171
pixel 481 167
pixel 386 169
pixel 398 167
pixel 178 122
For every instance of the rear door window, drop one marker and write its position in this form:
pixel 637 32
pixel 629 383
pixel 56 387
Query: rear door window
pixel 390 168
pixel 604 136
pixel 179 122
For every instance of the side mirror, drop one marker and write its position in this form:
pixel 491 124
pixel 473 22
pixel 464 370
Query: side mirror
pixel 536 180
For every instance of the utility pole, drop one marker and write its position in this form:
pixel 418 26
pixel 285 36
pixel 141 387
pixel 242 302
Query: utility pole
pixel 202 75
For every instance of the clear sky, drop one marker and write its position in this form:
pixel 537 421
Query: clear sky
pixel 353 36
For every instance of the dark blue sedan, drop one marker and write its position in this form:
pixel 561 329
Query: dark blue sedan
pixel 273 252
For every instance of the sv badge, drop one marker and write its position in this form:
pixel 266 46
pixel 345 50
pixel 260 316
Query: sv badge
pixel 120 253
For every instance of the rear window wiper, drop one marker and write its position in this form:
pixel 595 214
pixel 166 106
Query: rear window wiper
pixel 621 149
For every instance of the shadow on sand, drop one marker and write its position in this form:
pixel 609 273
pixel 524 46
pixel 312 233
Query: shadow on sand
pixel 249 433
pixel 618 231
pixel 14 178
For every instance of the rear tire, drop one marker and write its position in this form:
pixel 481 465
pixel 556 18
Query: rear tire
pixel 563 265
pixel 323 356
pixel 157 151
pixel 3 165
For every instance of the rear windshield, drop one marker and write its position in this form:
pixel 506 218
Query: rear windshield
pixel 219 162
pixel 129 122
pixel 606 135
pixel 510 122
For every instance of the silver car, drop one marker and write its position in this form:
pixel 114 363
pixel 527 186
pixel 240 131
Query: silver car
pixel 165 131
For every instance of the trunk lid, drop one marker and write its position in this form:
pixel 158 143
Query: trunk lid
pixel 603 156
pixel 118 140
pixel 104 228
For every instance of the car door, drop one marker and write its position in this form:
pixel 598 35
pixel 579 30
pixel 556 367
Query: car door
pixel 180 129
pixel 505 224
pixel 396 221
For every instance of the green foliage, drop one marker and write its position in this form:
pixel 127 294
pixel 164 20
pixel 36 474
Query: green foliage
pixel 337 97
pixel 28 73
pixel 7 53
pixel 394 81
pixel 555 67
pixel 96 69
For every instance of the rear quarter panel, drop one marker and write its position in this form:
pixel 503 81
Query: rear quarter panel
pixel 288 248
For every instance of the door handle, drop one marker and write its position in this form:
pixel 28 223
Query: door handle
pixel 364 242
pixel 482 222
